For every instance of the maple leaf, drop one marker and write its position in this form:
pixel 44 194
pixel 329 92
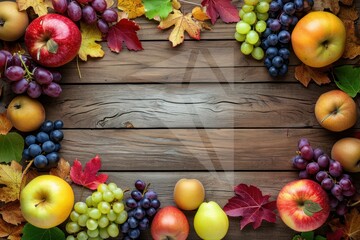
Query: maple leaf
pixel 348 13
pixel 351 226
pixel 332 5
pixel 39 6
pixel 182 23
pixel 62 170
pixel 134 8
pixel 5 124
pixel 124 32
pixel 11 213
pixel 305 74
pixel 199 13
pixel 10 177
pixel 352 44
pixel 221 8
pixel 12 232
pixel 90 34
pixel 89 177
pixel 251 205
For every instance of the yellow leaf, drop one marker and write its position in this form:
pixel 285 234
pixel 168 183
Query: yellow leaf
pixel 62 170
pixel 305 74
pixel 109 3
pixel 39 6
pixel 11 213
pixel 350 226
pixel 134 8
pixel 90 34
pixel 176 4
pixel 10 177
pixel 199 13
pixel 5 124
pixel 182 23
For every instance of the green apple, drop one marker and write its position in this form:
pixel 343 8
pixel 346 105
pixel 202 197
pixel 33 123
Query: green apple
pixel 347 152
pixel 210 221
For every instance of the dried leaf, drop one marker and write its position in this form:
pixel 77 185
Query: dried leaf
pixel 221 8
pixel 182 23
pixel 39 6
pixel 352 44
pixel 251 205
pixel 350 227
pixel 199 13
pixel 89 177
pixel 348 13
pixel 90 35
pixel 5 124
pixel 10 178
pixel 347 2
pixel 12 232
pixel 331 5
pixel 11 213
pixel 134 8
pixel 109 3
pixel 305 74
pixel 62 170
pixel 176 4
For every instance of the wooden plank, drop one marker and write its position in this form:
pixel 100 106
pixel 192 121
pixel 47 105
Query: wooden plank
pixel 192 149
pixel 186 105
pixel 218 188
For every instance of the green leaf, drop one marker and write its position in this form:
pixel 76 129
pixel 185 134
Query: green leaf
pixel 311 207
pixel 154 8
pixel 31 232
pixel 348 79
pixel 318 237
pixel 11 147
pixel 308 235
pixel 297 237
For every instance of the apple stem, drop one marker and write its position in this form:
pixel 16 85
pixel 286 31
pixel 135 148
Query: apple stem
pixel 332 113
pixel 42 200
pixel 355 203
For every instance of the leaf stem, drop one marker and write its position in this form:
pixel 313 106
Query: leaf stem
pixel 192 3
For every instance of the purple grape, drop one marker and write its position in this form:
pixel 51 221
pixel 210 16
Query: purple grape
pixel 277 62
pixel 136 195
pixel 299 163
pixel 145 203
pixel 139 213
pixel 289 8
pixel 342 208
pixel 284 36
pixel 312 168
pixel 275 25
pixel 2 60
pixel 56 76
pixel 317 151
pixel 307 153
pixel 345 184
pixel 303 142
pixel 333 202
pixel 321 175
pixel 151 195
pixel 89 14
pixel 131 203
pixel 34 90
pixel 151 212
pixel 20 87
pixel 74 11
pixel 303 174
pixel 285 19
pixel 140 185
pixel 42 76
pixel 15 60
pixel 52 90
pixel 285 54
pixel 335 169
pixel 272 39
pixel 109 15
pixel 350 192
pixel 14 73
pixel 299 5
pixel 144 224
pixel 102 25
pixel 336 190
pixel 60 6
pixel 274 6
pixel 155 203
pixel 346 176
pixel 327 183
pixel 323 161
pixel 99 5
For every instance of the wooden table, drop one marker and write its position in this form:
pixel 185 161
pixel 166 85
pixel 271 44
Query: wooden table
pixel 200 110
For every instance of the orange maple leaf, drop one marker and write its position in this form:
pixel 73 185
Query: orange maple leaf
pixel 11 213
pixel 5 124
pixel 12 232
pixel 62 170
pixel 351 226
pixel 200 14
pixel 305 74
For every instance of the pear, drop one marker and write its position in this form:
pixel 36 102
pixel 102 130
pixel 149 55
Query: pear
pixel 210 221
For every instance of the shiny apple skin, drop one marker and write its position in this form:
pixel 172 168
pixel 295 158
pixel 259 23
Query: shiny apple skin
pixel 13 21
pixel 347 152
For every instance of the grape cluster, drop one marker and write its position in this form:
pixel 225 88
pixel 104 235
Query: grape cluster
pixel 314 164
pixel 283 16
pixel 142 206
pixel 25 76
pixel 99 216
pixel 89 11
pixel 253 15
pixel 44 146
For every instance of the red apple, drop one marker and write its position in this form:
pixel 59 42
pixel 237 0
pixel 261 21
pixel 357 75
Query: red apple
pixel 303 205
pixel 170 223
pixel 52 40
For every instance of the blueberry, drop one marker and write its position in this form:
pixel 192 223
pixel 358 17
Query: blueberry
pixel 48 146
pixel 34 150
pixel 30 139
pixel 40 161
pixel 42 137
pixel 56 136
pixel 58 124
pixel 53 159
pixel 47 126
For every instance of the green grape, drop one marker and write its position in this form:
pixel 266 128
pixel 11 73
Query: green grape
pixel 94 213
pixel 247 8
pixel 104 207
pixel 82 235
pixel 89 201
pixel 122 217
pixel 96 197
pixel 239 37
pixel 242 27
pixel 251 2
pixel 113 230
pixel 80 207
pixel 258 43
pixel 262 16
pixel 70 237
pixel 103 221
pixel 74 216
pixel 91 224
pixel 246 48
pixel 118 207
pixel 118 193
pixel 82 220
pixel 95 238
pixel 103 233
pixel 257 53
pixel 102 187
pixel 268 1
pixel 262 7
pixel 112 186
pixel 249 18
pixel 72 227
pixel 260 26
pixel 111 215
pixel 93 233
pixel 252 37
pixel 241 13
pixel 108 196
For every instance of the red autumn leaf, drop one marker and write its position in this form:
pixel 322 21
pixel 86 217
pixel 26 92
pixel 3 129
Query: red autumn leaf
pixel 337 235
pixel 124 32
pixel 221 8
pixel 251 205
pixel 89 177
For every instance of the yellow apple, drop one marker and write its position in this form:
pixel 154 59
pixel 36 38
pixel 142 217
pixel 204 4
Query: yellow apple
pixel 189 194
pixel 46 201
pixel 336 111
pixel 25 113
pixel 13 22
pixel 347 152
